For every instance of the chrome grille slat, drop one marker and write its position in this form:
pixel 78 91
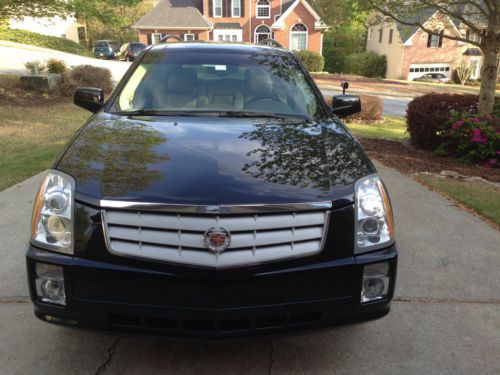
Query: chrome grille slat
pixel 179 238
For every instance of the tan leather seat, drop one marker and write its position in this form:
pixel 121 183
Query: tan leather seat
pixel 222 95
pixel 182 90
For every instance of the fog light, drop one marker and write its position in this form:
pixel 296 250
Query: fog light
pixel 50 284
pixel 375 282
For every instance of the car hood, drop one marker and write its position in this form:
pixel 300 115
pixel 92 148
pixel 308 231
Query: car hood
pixel 213 160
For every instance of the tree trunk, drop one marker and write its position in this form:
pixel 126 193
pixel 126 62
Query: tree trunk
pixel 488 82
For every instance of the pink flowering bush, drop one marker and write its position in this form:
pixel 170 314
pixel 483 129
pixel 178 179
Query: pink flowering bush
pixel 472 138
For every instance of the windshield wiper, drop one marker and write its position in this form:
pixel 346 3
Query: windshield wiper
pixel 259 115
pixel 153 112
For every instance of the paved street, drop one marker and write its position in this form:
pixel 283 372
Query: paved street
pixel 445 318
pixel 14 56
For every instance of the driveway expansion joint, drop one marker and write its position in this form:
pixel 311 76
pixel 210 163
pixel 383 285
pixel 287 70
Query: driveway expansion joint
pixel 111 352
pixel 445 300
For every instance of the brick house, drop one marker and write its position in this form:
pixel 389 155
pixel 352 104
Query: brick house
pixel 293 23
pixel 411 52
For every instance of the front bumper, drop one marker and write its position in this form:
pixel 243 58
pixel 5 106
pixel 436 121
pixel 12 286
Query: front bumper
pixel 211 304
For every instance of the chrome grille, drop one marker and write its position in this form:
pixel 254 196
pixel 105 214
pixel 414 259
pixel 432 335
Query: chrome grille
pixel 179 238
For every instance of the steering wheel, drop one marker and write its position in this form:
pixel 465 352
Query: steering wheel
pixel 260 98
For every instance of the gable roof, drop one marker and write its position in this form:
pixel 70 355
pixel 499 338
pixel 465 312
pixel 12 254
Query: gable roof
pixel 174 14
pixel 288 7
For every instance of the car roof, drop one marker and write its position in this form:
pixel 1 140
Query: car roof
pixel 217 47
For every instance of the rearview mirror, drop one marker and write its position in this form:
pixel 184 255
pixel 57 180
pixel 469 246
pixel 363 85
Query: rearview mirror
pixel 346 105
pixel 90 98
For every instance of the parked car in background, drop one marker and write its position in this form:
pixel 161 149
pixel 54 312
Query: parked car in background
pixel 129 51
pixel 433 77
pixel 105 49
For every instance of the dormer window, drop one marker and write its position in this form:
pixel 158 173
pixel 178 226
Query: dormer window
pixel 435 40
pixel 263 9
pixel 217 10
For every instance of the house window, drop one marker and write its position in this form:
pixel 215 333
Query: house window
pixel 189 37
pixel 217 8
pixel 369 37
pixel 235 8
pixel 263 9
pixel 391 32
pixel 262 32
pixel 435 40
pixel 298 37
pixel 380 35
pixel 473 36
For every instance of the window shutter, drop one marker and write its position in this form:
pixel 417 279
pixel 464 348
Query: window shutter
pixel 429 38
pixel 441 39
pixel 210 8
pixel 242 8
pixel 226 5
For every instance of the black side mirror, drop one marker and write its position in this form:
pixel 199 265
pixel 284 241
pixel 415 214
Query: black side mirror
pixel 90 98
pixel 346 105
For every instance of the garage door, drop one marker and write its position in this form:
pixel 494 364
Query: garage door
pixel 418 70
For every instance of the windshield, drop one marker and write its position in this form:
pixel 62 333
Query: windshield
pixel 187 81
pixel 101 44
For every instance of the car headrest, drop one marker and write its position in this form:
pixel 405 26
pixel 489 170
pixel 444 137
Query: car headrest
pixel 258 82
pixel 184 81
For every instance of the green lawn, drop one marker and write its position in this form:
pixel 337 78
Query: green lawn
pixel 484 199
pixel 32 137
pixel 393 127
pixel 39 40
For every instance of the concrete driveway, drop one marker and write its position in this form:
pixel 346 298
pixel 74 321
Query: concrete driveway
pixel 15 55
pixel 445 318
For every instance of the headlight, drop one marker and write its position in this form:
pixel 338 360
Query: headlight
pixel 52 223
pixel 374 221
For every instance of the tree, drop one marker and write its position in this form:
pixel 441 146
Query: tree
pixel 463 71
pixel 480 17
pixel 111 19
pixel 19 9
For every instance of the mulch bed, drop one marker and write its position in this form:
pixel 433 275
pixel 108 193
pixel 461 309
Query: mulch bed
pixel 407 160
pixel 11 93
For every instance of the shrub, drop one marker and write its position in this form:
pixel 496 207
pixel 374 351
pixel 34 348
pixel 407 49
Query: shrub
pixel 371 109
pixel 472 138
pixel 35 67
pixel 87 76
pixel 427 114
pixel 367 64
pixel 55 66
pixel 312 61
pixel 35 39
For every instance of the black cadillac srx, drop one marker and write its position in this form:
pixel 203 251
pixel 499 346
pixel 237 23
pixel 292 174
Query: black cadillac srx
pixel 214 194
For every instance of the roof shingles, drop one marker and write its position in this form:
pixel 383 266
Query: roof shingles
pixel 174 14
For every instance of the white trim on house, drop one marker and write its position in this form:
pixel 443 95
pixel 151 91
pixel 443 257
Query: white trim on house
pixel 292 33
pixel 318 25
pixel 268 34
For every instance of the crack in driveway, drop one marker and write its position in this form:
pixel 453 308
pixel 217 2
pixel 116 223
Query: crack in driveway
pixel 271 357
pixel 14 299
pixel 111 352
